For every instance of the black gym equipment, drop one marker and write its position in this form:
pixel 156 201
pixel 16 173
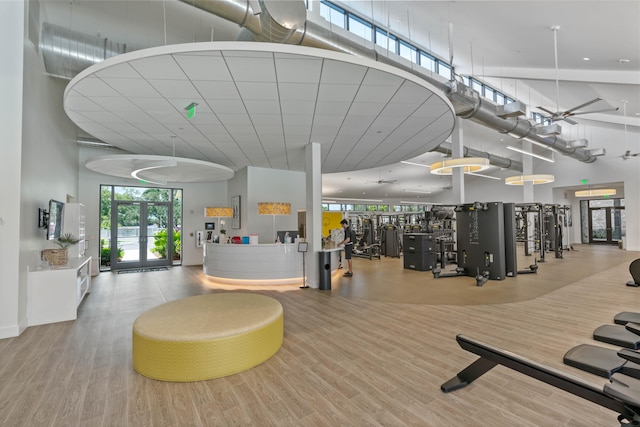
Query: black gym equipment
pixel 481 279
pixel 634 269
pixel 621 395
pixel 419 251
pixel 533 268
pixel 459 271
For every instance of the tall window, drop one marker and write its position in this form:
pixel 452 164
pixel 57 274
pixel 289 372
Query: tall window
pixel 333 14
pixel 444 70
pixel 386 40
pixel 427 61
pixel 408 52
pixel 360 27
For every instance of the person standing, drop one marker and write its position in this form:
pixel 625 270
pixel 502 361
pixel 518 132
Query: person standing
pixel 348 246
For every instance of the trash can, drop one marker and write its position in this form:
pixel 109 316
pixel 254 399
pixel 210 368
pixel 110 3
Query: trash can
pixel 324 275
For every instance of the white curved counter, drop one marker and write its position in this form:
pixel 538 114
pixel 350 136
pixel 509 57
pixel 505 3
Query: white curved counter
pixel 266 264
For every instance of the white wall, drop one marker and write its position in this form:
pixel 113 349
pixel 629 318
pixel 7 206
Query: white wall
pixel 255 185
pixel 12 305
pixel 273 185
pixel 39 161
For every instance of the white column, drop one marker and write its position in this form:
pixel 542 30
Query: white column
pixel 12 34
pixel 457 150
pixel 314 211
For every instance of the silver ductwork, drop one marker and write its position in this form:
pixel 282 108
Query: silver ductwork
pixel 284 21
pixel 469 105
pixel 67 52
pixel 474 108
pixel 501 162
pixel 278 21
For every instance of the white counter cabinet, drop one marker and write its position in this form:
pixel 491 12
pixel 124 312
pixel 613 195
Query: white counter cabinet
pixel 262 264
pixel 53 295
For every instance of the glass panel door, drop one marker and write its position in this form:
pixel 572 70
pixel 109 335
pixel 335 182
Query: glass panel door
pixel 158 238
pixel 618 221
pixel 598 225
pixel 606 225
pixel 139 236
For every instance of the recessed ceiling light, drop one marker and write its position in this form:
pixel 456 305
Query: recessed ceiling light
pixel 623 61
pixel 586 59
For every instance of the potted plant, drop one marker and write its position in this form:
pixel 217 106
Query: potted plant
pixel 66 240
pixel 60 256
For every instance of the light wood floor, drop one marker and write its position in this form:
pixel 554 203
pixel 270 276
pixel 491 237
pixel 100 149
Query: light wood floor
pixel 373 351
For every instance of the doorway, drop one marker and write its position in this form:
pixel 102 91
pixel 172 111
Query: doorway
pixel 145 237
pixel 140 227
pixel 606 223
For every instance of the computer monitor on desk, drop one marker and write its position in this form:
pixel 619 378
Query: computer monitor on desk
pixel 292 234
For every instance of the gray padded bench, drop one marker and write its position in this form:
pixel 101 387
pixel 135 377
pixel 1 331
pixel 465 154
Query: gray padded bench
pixel 626 317
pixel 600 361
pixel 617 335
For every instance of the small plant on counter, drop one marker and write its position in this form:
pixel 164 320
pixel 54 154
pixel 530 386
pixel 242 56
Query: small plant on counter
pixel 66 240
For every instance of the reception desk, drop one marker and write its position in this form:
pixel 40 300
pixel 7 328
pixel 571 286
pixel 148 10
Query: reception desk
pixel 263 264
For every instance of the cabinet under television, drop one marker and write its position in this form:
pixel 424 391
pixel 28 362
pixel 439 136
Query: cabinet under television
pixel 53 295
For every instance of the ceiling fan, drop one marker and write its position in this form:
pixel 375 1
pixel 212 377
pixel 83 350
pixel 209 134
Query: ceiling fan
pixel 565 115
pixel 382 181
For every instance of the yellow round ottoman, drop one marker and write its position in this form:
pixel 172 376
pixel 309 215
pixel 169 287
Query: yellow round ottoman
pixel 207 336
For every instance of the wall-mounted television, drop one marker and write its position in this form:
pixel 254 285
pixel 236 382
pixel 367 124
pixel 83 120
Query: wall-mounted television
pixel 54 226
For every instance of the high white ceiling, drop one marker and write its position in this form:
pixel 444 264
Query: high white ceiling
pixel 507 44
pixel 259 104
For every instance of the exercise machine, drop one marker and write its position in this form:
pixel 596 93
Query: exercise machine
pixel 367 245
pixel 621 395
pixel 390 245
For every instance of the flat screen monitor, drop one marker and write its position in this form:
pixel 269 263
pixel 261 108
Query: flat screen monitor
pixel 54 228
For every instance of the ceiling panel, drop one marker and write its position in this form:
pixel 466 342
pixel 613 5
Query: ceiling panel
pixel 201 67
pixel 298 69
pixel 175 89
pixel 217 90
pixel 335 72
pixel 337 92
pixel 158 68
pixel 254 119
pixel 251 91
pixel 298 91
pixel 251 69
pixel 130 88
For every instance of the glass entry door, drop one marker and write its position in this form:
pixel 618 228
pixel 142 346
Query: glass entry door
pixel 140 234
pixel 605 224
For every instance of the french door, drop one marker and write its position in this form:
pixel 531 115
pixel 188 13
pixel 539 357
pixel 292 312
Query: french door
pixel 147 238
pixel 605 224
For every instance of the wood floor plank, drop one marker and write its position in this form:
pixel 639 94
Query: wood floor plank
pixel 372 351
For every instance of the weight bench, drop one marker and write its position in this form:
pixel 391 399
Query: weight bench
pixel 621 395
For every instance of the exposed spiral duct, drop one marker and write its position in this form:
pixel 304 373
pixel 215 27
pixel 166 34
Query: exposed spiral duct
pixel 66 53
